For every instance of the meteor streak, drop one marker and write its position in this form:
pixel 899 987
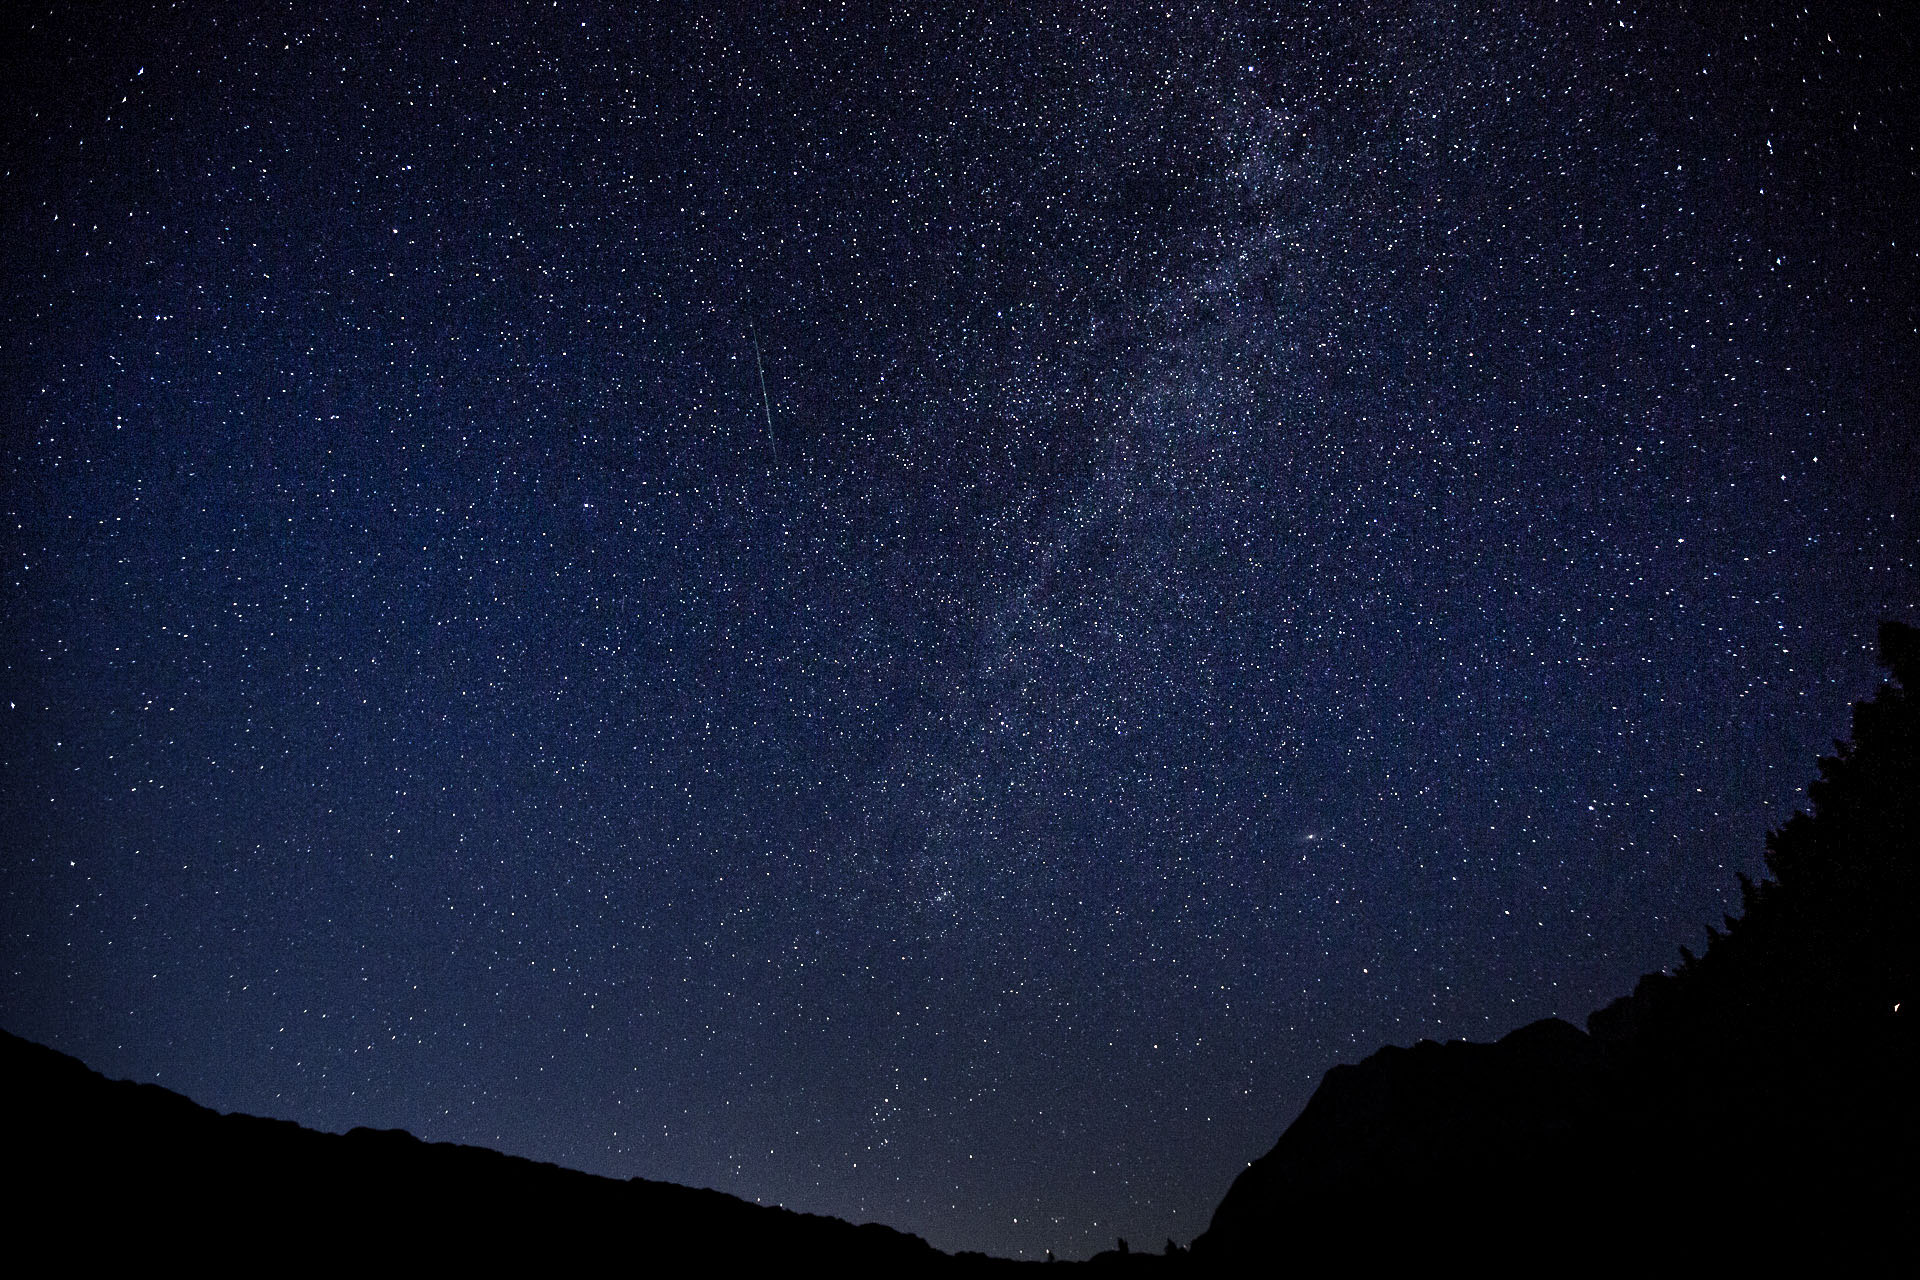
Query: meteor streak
pixel 765 403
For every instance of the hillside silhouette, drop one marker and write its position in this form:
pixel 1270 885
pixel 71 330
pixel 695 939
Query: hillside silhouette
pixel 1759 1099
pixel 1758 1103
pixel 117 1172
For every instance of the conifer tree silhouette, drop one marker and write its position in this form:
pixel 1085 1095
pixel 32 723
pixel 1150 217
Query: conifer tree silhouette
pixel 1829 942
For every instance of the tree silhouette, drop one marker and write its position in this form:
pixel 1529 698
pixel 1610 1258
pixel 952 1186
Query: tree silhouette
pixel 1755 1104
pixel 1828 945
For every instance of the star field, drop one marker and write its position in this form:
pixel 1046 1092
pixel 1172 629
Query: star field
pixel 920 613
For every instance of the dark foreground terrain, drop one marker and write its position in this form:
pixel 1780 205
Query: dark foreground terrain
pixel 1763 1100
pixel 111 1171
pixel 1757 1107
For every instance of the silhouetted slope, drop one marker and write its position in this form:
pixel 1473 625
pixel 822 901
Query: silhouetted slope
pixel 120 1171
pixel 1762 1098
pixel 1828 941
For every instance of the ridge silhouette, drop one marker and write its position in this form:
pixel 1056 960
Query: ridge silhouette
pixel 118 1172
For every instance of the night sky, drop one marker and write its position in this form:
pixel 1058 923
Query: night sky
pixel 920 614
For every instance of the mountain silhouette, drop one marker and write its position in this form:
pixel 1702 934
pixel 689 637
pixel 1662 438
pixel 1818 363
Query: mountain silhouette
pixel 1758 1101
pixel 113 1171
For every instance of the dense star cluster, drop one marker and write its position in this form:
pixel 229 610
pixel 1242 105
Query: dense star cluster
pixel 916 612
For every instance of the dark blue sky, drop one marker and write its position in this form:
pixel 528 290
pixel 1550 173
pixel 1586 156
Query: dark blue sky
pixel 1269 531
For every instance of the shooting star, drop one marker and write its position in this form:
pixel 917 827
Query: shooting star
pixel 766 402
